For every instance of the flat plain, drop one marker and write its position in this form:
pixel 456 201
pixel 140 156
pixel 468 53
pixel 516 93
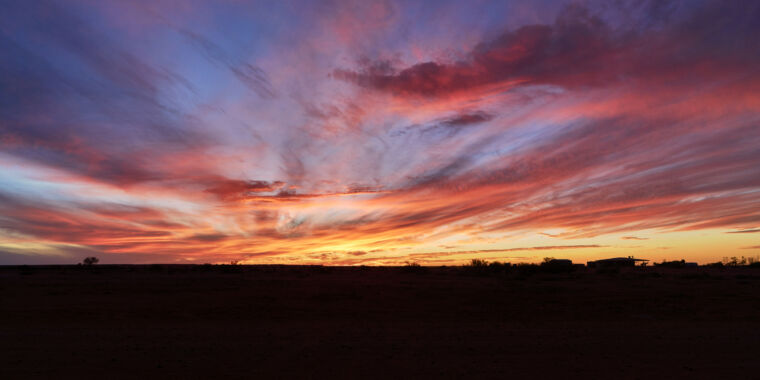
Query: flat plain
pixel 176 321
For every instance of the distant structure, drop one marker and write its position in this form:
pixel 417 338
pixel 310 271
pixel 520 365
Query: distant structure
pixel 676 264
pixel 560 262
pixel 614 262
pixel 552 265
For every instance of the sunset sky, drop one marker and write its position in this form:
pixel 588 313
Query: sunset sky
pixel 376 133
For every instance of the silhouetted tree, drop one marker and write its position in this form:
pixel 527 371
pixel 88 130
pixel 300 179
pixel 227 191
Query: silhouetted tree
pixel 478 263
pixel 414 267
pixel 92 260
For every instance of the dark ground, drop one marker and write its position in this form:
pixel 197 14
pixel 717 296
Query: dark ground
pixel 300 322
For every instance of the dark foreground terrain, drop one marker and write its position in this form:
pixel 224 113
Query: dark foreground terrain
pixel 301 322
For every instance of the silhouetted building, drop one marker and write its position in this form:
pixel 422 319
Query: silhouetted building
pixel 614 262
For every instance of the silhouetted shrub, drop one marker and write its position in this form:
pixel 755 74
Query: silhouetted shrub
pixel 499 267
pixel 483 267
pixel 552 265
pixel 671 264
pixel 476 266
pixel 734 261
pixel 92 260
pixel 414 267
pixel 478 263
pixel 752 262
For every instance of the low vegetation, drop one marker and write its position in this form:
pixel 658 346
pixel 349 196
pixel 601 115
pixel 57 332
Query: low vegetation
pixel 751 262
pixel 92 260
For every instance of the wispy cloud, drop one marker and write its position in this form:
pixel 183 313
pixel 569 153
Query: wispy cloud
pixel 747 231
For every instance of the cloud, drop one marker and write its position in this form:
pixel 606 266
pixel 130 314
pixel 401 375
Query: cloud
pixel 580 49
pixel 254 77
pixel 747 231
pixel 466 119
pixel 633 238
pixel 574 46
pixel 237 189
pixel 208 237
pixel 81 101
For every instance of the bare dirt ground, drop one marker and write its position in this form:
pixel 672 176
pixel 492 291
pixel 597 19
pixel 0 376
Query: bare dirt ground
pixel 299 322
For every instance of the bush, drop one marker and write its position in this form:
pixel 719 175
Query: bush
pixel 671 264
pixel 414 267
pixel 552 265
pixel 478 263
pixel 752 262
pixel 499 267
pixel 92 260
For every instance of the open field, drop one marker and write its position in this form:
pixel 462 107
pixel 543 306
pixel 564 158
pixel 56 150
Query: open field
pixel 301 322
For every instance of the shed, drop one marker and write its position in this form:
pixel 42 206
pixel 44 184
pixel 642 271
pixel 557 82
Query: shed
pixel 560 262
pixel 615 262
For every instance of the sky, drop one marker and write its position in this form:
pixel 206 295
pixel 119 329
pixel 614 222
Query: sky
pixel 378 132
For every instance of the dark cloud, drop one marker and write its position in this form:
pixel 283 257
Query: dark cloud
pixel 292 195
pixel 466 119
pixel 747 231
pixel 230 189
pixel 580 49
pixel 573 46
pixel 633 238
